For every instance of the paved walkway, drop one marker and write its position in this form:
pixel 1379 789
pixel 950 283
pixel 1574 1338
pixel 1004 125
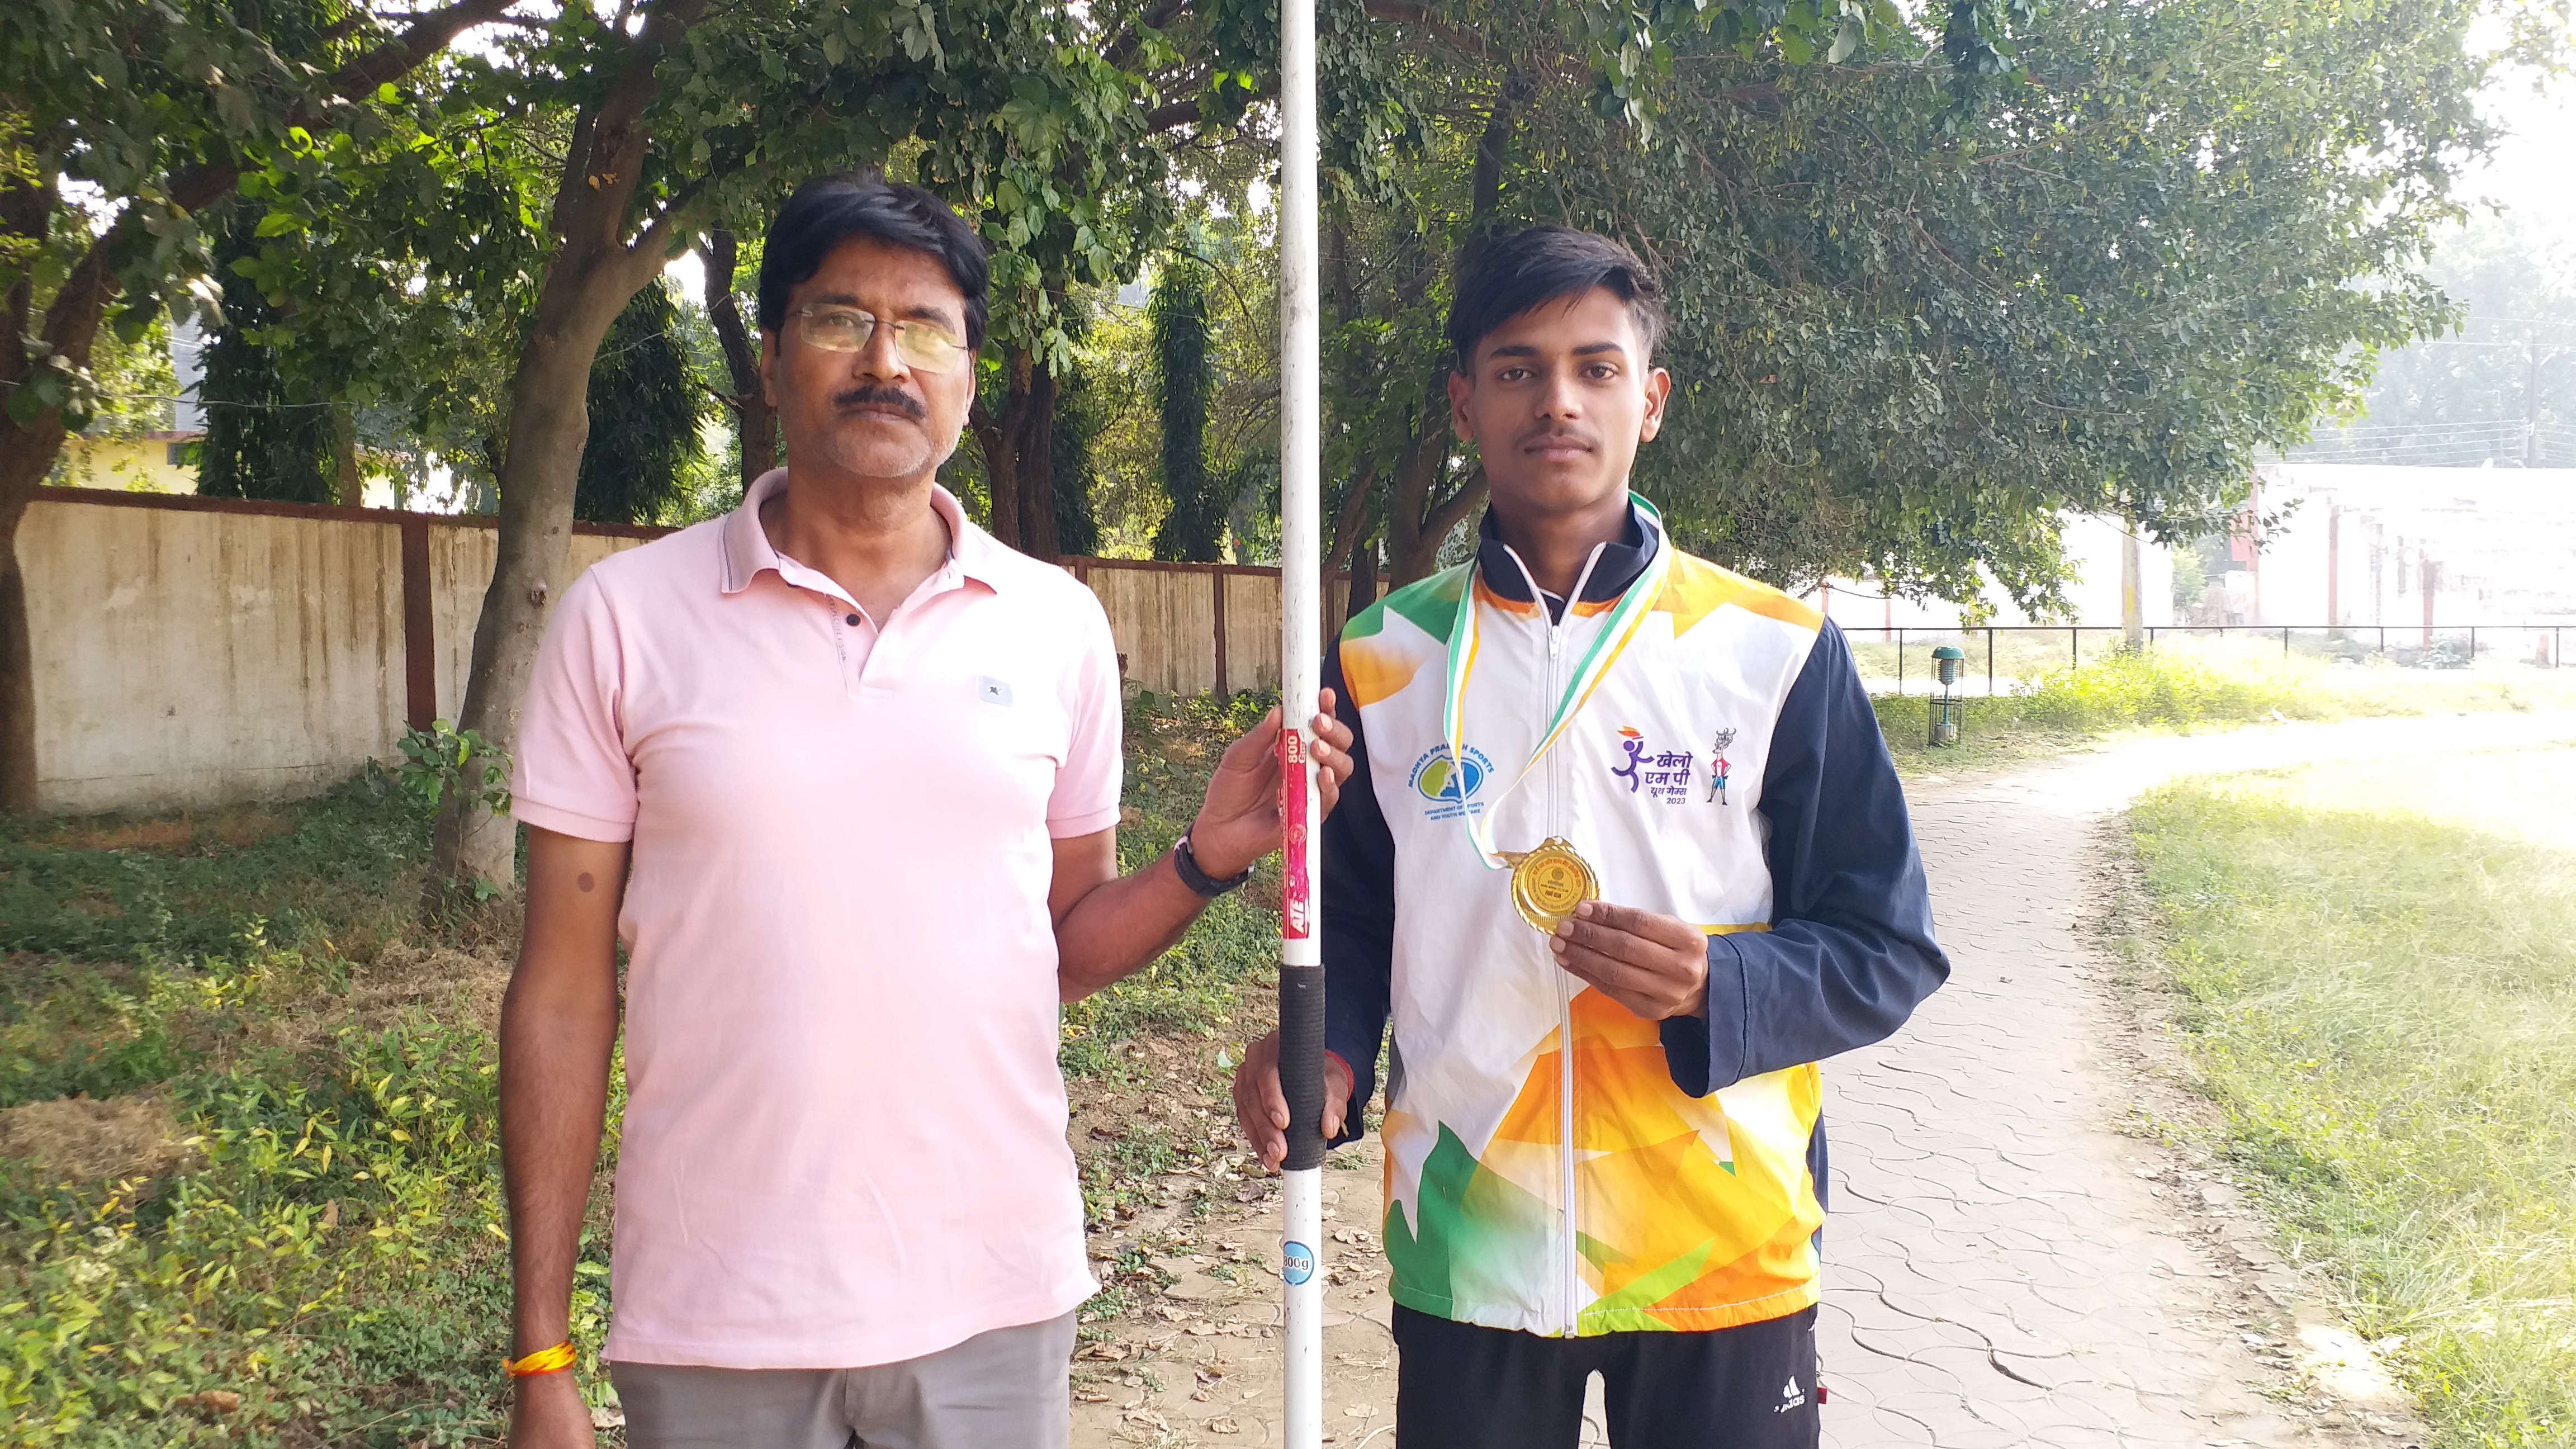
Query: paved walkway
pixel 2005 1265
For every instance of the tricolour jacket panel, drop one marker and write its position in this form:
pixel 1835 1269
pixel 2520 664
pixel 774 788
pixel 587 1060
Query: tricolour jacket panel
pixel 1526 1190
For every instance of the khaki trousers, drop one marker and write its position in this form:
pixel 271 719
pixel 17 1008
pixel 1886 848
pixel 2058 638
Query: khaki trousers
pixel 1000 1390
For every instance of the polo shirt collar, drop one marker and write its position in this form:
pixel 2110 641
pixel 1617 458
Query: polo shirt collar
pixel 972 553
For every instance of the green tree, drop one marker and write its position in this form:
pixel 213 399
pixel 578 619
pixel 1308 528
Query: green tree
pixel 163 109
pixel 265 437
pixel 645 408
pixel 1194 529
pixel 1910 343
pixel 1077 422
pixel 1924 306
pixel 2501 387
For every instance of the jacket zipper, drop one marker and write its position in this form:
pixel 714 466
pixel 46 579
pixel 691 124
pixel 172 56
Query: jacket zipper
pixel 1569 1280
pixel 1567 1284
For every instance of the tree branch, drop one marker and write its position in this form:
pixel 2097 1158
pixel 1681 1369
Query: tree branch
pixel 427 36
pixel 1157 16
pixel 1170 117
pixel 1425 19
pixel 1446 517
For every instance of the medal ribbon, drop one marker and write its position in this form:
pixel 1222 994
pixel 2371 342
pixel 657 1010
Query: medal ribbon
pixel 1589 671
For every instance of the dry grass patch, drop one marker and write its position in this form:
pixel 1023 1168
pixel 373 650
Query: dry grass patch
pixel 79 1139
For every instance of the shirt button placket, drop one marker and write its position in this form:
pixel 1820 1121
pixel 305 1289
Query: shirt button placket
pixel 852 619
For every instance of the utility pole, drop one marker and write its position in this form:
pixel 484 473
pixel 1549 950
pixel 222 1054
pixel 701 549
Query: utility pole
pixel 2133 611
pixel 2531 406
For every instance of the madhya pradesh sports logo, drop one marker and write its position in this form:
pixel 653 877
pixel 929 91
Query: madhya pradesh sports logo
pixel 1448 788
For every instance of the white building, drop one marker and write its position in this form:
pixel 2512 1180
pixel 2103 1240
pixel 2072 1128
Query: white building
pixel 2369 547
pixel 2093 549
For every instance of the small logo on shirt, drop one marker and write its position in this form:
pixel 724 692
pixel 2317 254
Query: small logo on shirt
pixel 1665 775
pixel 1791 1397
pixel 1296 1264
pixel 1717 766
pixel 1449 790
pixel 992 691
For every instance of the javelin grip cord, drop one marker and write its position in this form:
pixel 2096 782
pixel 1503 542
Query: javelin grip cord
pixel 1301 1062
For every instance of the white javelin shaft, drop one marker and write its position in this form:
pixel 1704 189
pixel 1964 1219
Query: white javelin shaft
pixel 1301 987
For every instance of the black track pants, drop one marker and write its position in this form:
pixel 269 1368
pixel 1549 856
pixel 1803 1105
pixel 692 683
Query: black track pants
pixel 1463 1387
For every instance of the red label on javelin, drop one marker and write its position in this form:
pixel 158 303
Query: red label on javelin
pixel 1296 892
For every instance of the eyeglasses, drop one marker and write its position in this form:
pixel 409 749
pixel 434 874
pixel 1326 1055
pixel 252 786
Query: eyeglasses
pixel 925 345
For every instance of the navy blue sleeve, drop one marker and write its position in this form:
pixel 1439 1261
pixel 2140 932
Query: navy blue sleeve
pixel 1359 915
pixel 1850 952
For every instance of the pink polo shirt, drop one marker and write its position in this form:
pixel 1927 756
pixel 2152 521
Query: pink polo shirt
pixel 844 1131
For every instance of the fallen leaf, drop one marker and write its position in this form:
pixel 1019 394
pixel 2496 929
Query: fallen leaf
pixel 1090 1396
pixel 1223 1424
pixel 1106 1351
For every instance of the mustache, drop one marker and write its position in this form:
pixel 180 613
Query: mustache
pixel 881 395
pixel 1585 436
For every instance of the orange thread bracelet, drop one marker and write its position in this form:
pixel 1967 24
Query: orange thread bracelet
pixel 544 1361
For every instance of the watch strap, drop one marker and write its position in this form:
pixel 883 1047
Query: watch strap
pixel 1185 863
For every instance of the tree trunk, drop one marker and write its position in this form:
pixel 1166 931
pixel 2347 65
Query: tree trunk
pixel 1019 462
pixel 1001 475
pixel 1349 518
pixel 17 672
pixel 594 274
pixel 1363 590
pixel 1418 517
pixel 755 421
pixel 27 454
pixel 347 488
pixel 549 424
pixel 1036 470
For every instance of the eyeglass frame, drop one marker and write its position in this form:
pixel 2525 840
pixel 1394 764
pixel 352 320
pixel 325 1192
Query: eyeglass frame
pixel 806 314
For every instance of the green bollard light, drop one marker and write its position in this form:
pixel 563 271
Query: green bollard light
pixel 1945 698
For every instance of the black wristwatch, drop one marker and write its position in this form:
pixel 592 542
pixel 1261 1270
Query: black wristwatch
pixel 1186 863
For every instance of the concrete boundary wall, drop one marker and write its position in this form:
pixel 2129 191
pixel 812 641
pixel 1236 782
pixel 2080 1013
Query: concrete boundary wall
pixel 194 652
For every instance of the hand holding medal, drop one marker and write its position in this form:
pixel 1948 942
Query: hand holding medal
pixel 1654 965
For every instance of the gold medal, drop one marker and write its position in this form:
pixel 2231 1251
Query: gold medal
pixel 1549 882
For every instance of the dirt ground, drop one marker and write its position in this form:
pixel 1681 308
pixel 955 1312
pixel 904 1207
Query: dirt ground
pixel 1198 1361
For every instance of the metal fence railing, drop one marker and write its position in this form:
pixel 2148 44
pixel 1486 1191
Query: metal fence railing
pixel 2024 649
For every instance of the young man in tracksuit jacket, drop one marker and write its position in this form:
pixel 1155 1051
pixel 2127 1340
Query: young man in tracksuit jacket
pixel 1605 1147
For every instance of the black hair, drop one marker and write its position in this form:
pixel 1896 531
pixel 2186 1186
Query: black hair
pixel 1510 275
pixel 830 210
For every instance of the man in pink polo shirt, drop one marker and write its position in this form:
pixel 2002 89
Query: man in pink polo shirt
pixel 841 772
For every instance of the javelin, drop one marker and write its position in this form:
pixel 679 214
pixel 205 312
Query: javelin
pixel 1301 958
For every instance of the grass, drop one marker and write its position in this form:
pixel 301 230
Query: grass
pixel 2185 685
pixel 249 1177
pixel 2383 1004
pixel 249 1187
